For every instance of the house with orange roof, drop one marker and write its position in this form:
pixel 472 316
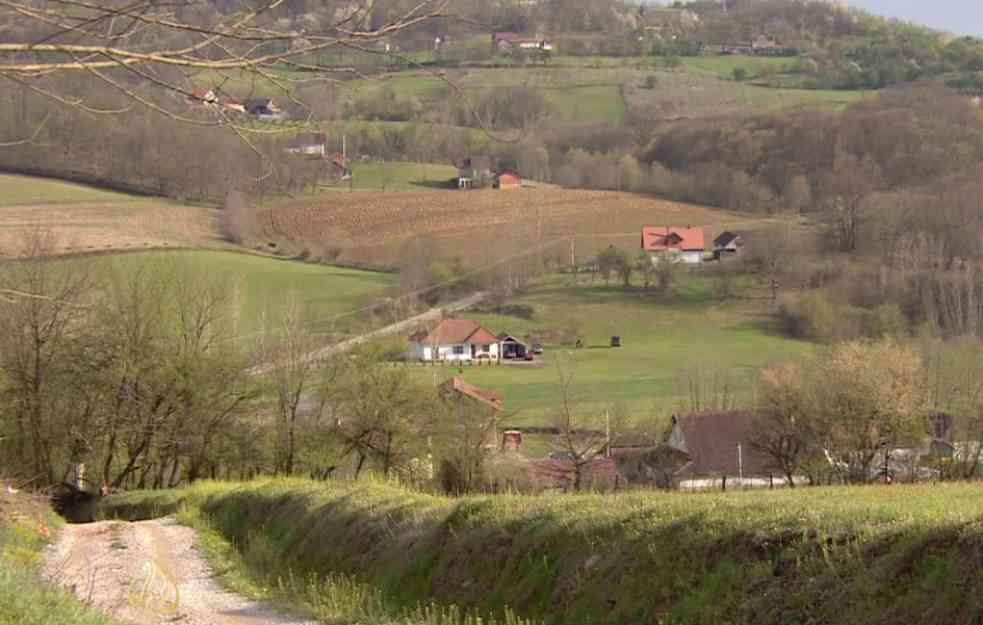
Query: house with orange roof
pixel 679 245
pixel 455 340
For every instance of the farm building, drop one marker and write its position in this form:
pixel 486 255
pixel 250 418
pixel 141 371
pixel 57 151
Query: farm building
pixel 204 97
pixel 511 440
pixel 475 171
pixel 457 340
pixel 508 179
pixel 717 445
pixel 505 42
pixel 678 245
pixel 727 244
pixel 265 109
pixel 309 144
pixel 511 348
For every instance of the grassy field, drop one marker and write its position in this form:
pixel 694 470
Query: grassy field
pixel 86 219
pixel 16 190
pixel 390 176
pixel 26 527
pixel 267 287
pixel 876 555
pixel 661 335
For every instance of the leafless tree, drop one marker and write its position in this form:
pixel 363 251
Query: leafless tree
pixel 142 47
pixel 580 439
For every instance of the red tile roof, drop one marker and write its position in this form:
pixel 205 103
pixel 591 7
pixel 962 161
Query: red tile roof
pixel 493 399
pixel 711 440
pixel 459 331
pixel 665 238
pixel 553 473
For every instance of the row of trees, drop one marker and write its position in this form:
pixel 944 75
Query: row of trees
pixel 846 410
pixel 141 378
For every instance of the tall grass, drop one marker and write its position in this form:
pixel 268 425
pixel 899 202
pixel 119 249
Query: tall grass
pixel 26 526
pixel 898 554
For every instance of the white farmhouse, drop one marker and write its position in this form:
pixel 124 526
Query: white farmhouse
pixel 458 340
pixel 680 245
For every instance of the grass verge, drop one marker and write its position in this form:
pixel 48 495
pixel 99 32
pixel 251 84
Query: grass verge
pixel 26 526
pixel 873 555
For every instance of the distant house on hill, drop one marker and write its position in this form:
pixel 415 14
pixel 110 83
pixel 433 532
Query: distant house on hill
pixel 204 97
pixel 309 144
pixel 475 171
pixel 727 243
pixel 506 42
pixel 235 106
pixel 717 445
pixel 265 109
pixel 508 179
pixel 459 340
pixel 674 244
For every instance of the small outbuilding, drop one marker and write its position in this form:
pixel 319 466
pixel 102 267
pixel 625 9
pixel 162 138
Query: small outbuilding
pixel 511 348
pixel 508 179
pixel 726 244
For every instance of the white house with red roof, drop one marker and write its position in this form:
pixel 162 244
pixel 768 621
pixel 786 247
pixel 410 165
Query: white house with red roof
pixel 680 245
pixel 457 340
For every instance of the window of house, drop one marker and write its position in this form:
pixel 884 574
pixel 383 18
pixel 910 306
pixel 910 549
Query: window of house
pixel 486 348
pixel 458 350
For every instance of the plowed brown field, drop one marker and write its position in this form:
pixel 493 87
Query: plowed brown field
pixel 370 227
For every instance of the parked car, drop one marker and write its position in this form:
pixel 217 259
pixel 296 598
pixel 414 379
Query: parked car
pixel 483 356
pixel 529 357
pixel 537 348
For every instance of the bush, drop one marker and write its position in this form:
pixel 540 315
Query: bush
pixel 740 74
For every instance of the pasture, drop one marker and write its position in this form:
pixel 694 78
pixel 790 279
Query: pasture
pixel 264 289
pixel 689 327
pixel 87 219
pixel 396 176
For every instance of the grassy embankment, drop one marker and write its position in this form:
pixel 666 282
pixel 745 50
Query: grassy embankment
pixel 872 555
pixel 691 325
pixel 26 526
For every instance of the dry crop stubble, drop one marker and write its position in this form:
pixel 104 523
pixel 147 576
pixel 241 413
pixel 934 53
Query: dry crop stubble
pixel 465 223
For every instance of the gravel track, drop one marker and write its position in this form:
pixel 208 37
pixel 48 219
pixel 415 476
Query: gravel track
pixel 149 573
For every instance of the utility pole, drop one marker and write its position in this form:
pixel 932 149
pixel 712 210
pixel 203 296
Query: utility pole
pixel 607 430
pixel 573 259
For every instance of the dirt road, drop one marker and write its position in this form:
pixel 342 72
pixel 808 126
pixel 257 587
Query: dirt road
pixel 325 353
pixel 149 573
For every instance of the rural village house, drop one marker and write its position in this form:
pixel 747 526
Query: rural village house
pixel 716 445
pixel 505 42
pixel 204 97
pixel 680 245
pixel 475 171
pixel 309 144
pixel 265 109
pixel 459 340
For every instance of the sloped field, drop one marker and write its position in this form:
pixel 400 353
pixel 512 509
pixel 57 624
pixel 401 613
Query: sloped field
pixel 467 224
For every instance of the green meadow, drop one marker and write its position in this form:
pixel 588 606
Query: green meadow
pixel 661 335
pixel 265 287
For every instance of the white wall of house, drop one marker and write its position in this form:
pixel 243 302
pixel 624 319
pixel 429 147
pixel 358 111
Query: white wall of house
pixel 684 258
pixel 453 353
